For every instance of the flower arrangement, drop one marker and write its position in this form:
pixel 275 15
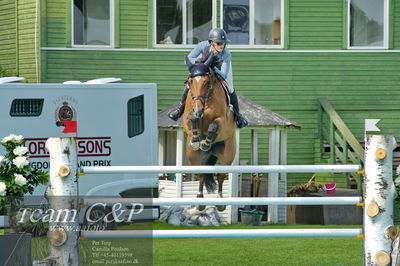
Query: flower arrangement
pixel 16 175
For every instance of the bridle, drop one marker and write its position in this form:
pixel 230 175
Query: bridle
pixel 205 97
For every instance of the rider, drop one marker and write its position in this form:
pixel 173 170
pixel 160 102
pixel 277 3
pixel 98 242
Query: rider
pixel 222 66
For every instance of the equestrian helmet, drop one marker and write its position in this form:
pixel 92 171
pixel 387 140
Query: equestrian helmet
pixel 218 35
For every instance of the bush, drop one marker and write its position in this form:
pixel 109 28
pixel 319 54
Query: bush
pixel 3 72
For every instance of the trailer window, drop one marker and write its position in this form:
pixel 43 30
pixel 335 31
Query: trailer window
pixel 135 116
pixel 26 107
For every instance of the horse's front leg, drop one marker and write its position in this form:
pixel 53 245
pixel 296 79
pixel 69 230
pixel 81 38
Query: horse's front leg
pixel 200 194
pixel 205 144
pixel 221 178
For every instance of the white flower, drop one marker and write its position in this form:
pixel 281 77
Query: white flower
pixel 13 138
pixel 20 162
pixel 18 138
pixel 20 180
pixel 1 159
pixel 3 188
pixel 20 150
pixel 8 138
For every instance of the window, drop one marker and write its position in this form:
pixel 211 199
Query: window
pixel 183 22
pixel 26 107
pixel 135 116
pixel 93 22
pixel 253 22
pixel 368 23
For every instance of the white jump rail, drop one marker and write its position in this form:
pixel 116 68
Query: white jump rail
pixel 230 201
pixel 202 169
pixel 223 233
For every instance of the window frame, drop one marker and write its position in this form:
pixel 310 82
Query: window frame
pixel 251 28
pixel 385 29
pixel 112 29
pixel 184 26
pixel 142 117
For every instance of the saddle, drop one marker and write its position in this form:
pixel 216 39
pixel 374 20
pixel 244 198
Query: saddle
pixel 228 99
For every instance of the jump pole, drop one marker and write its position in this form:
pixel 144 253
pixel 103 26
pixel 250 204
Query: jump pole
pixel 201 169
pixel 223 233
pixel 229 201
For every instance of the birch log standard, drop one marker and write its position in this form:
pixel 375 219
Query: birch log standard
pixel 63 197
pixel 378 198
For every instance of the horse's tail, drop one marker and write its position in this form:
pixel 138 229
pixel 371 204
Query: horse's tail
pixel 209 181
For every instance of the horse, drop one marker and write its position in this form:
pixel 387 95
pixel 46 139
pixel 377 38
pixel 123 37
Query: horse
pixel 209 125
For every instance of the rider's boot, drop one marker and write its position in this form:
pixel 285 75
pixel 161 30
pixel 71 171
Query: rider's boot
pixel 241 121
pixel 176 113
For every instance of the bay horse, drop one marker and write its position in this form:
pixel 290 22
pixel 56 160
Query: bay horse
pixel 209 125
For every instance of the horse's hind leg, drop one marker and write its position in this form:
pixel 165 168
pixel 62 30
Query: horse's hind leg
pixel 200 194
pixel 221 178
pixel 225 154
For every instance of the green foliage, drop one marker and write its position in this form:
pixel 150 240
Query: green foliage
pixel 397 185
pixel 3 72
pixel 16 175
pixel 23 222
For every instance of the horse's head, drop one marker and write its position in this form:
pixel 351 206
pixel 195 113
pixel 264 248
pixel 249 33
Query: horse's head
pixel 199 83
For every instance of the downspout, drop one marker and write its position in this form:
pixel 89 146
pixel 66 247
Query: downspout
pixel 16 40
pixel 37 64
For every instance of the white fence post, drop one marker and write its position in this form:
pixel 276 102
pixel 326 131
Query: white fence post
pixel 378 198
pixel 63 198
pixel 273 178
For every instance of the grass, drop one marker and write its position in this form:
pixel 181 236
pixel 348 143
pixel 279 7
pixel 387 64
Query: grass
pixel 225 251
pixel 258 251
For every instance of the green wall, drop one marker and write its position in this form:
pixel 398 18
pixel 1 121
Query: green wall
pixel 316 24
pixel 8 36
pixel 359 84
pixel 19 38
pixel 28 40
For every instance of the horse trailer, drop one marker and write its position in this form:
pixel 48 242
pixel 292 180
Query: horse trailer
pixel 117 125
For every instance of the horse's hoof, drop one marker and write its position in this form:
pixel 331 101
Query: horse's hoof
pixel 204 146
pixel 195 145
pixel 201 207
pixel 221 208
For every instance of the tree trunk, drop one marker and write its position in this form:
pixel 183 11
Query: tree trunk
pixel 378 198
pixel 62 194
